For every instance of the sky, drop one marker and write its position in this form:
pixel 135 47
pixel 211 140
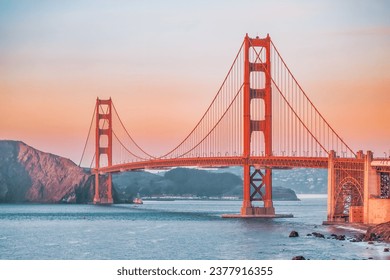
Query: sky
pixel 163 61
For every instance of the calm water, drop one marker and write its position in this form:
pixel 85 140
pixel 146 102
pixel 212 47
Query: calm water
pixel 171 230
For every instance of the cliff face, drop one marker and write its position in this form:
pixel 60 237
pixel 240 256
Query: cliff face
pixel 29 175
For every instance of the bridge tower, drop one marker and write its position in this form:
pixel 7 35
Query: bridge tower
pixel 260 181
pixel 103 144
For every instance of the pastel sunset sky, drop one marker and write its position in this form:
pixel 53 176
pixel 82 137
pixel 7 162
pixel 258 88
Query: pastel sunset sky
pixel 163 61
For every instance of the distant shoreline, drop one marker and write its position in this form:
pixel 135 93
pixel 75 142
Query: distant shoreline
pixel 174 198
pixel 226 198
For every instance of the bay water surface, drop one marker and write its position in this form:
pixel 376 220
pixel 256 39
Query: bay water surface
pixel 181 229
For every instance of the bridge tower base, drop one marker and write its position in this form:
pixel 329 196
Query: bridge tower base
pixel 257 187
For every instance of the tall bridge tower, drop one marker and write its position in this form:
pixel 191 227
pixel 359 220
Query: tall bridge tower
pixel 257 184
pixel 103 140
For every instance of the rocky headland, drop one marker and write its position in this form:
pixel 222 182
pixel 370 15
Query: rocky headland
pixel 379 232
pixel 29 175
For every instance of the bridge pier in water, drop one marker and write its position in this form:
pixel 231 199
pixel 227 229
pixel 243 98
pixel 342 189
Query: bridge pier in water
pixel 103 192
pixel 261 184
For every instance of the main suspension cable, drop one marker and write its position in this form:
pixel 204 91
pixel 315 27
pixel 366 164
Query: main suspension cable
pixel 89 132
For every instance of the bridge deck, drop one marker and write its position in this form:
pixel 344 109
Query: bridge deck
pixel 207 162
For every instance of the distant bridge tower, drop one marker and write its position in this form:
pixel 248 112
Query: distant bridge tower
pixel 261 182
pixel 103 146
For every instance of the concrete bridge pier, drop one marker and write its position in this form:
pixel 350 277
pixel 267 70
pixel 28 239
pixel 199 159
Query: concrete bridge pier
pixel 356 189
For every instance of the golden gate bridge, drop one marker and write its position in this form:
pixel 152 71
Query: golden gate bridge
pixel 260 119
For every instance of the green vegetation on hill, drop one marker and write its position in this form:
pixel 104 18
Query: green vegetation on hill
pixel 179 181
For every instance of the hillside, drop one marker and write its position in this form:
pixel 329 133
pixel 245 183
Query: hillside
pixel 29 175
pixel 186 182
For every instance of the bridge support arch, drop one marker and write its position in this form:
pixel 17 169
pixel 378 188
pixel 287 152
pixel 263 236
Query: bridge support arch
pixel 357 192
pixel 345 188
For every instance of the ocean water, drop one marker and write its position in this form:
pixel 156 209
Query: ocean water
pixel 182 229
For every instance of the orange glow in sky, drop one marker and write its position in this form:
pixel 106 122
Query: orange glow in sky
pixel 163 61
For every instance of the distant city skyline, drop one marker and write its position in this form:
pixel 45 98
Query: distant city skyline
pixel 162 63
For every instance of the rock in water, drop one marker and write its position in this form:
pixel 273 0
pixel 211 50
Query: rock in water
pixel 29 175
pixel 293 234
pixel 317 234
pixel 340 237
pixel 298 258
pixel 359 237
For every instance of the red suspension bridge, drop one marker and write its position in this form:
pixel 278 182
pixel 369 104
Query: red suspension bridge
pixel 260 119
